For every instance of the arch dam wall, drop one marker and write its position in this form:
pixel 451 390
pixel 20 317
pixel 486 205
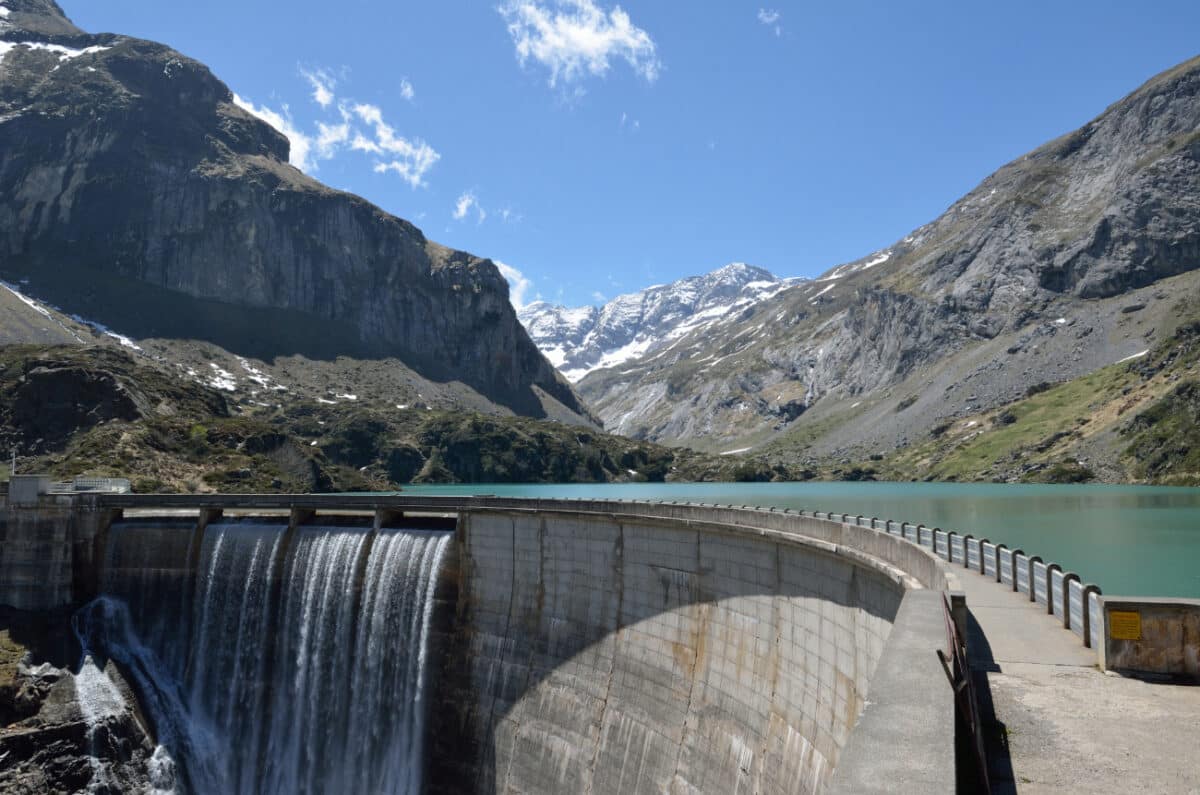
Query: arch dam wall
pixel 598 647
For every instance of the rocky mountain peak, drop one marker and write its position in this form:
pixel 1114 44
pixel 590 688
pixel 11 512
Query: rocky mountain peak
pixel 583 339
pixel 42 17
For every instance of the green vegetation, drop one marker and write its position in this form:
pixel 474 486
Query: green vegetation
pixel 1165 439
pixel 112 415
pixel 1027 433
pixel 1043 437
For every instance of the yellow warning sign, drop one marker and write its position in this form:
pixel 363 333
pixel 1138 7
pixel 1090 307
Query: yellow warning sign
pixel 1124 625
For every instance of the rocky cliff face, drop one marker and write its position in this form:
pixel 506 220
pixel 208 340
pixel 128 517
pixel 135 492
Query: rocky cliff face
pixel 1061 262
pixel 584 339
pixel 134 191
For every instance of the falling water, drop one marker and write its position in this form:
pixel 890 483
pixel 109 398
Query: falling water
pixel 279 667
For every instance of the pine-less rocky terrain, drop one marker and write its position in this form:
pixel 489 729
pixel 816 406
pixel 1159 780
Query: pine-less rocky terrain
pixel 1065 261
pixel 83 401
pixel 135 192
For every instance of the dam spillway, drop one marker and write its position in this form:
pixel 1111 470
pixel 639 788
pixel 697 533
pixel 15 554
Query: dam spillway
pixel 311 644
pixel 274 662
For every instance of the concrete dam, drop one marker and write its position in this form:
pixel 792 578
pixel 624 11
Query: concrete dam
pixel 395 644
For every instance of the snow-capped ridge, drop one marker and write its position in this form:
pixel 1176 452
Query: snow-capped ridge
pixel 581 340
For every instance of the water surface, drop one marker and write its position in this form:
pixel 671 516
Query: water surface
pixel 1129 540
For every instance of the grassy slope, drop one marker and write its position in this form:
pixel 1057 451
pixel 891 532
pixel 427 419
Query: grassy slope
pixel 1133 421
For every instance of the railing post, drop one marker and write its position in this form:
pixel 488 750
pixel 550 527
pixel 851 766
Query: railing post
pixel 983 557
pixel 1050 569
pixel 1088 590
pixel 1016 584
pixel 999 575
pixel 1069 578
pixel 1033 585
pixel 966 540
pixel 950 534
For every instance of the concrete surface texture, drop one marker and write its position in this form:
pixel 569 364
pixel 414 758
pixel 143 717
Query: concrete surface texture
pixel 1163 636
pixel 607 654
pixel 36 563
pixel 1055 723
pixel 879 756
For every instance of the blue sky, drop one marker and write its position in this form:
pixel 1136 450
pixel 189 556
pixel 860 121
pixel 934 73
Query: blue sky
pixel 597 149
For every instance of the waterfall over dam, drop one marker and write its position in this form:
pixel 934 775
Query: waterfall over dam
pixel 272 662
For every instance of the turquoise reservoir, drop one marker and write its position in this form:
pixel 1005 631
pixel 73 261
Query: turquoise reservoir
pixel 1129 540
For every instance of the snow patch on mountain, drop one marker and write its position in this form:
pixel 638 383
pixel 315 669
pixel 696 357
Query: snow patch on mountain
pixel 63 53
pixel 581 340
pixel 841 271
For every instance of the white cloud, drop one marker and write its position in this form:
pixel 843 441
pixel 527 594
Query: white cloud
pixel 302 144
pixel 330 138
pixel 411 158
pixel 598 297
pixel 466 202
pixel 406 89
pixel 518 285
pixel 770 17
pixel 322 85
pixel 576 38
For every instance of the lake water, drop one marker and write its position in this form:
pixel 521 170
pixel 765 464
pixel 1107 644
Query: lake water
pixel 1129 540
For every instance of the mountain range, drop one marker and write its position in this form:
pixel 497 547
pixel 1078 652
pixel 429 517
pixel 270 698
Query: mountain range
pixel 1069 259
pixel 142 210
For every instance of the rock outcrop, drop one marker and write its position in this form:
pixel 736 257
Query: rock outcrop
pixel 134 191
pixel 67 726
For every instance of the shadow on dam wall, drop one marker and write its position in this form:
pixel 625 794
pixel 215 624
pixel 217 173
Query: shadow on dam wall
pixel 611 654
